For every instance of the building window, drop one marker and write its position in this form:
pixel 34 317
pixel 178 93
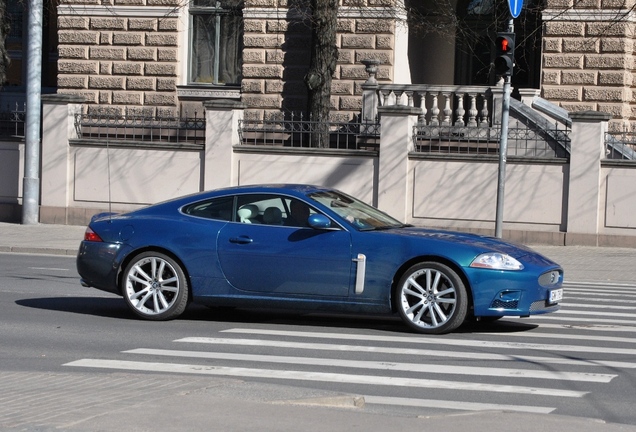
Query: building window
pixel 216 42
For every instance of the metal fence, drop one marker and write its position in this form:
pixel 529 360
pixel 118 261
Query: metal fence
pixel 620 145
pixel 188 130
pixel 299 131
pixel 522 141
pixel 12 121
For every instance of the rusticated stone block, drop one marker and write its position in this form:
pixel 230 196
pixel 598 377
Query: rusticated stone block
pixel 253 26
pixel 160 98
pixel 261 101
pixel 89 96
pixel 603 29
pixel 354 72
pixel 572 61
pixel 166 69
pixel 71 81
pixel 384 42
pixel 615 78
pixel 128 38
pixel 604 94
pixel 105 68
pixel 578 77
pixel 252 86
pixel 342 87
pixel 578 106
pixel 104 97
pixel 128 2
pixel 346 56
pixel 141 53
pixel 127 98
pixel 358 41
pixel 375 26
pixel 273 86
pixel 78 37
pixel 166 84
pixel 580 45
pixel 564 28
pixel 108 23
pixel 608 61
pixel 552 45
pixel 273 71
pixel 350 103
pixel 105 38
pixel 562 93
pixel 99 82
pixel 77 67
pixel 147 24
pixel 72 22
pixel 346 26
pixel 106 110
pixel 72 52
pixel 127 68
pixel 276 26
pixel 266 41
pixel 168 24
pixel 176 3
pixel 617 110
pixel 258 56
pixel 385 57
pixel 551 77
pixel 161 39
pixel 615 45
pixel 260 3
pixel 138 83
pixel 167 54
pixel 109 53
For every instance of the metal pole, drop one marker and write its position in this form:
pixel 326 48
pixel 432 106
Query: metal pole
pixel 503 149
pixel 31 183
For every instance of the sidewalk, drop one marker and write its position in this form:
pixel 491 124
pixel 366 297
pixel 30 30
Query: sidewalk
pixel 581 263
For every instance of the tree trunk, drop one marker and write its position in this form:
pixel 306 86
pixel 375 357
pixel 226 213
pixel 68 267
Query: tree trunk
pixel 4 32
pixel 324 55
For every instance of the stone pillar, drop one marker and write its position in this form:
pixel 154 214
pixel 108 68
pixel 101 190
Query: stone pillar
pixel 370 92
pixel 587 151
pixel 222 118
pixel 396 141
pixel 58 126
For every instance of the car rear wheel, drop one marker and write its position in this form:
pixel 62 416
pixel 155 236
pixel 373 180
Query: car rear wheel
pixel 155 286
pixel 431 298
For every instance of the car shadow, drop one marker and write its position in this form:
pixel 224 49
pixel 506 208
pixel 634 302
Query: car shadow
pixel 116 308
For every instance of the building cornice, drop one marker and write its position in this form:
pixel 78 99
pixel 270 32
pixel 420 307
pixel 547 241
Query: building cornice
pixel 119 11
pixel 588 15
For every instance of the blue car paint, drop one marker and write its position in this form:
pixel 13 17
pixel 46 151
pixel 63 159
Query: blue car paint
pixel 195 243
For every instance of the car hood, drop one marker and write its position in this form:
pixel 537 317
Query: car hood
pixel 477 242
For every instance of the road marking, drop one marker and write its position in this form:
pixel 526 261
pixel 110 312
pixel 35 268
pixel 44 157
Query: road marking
pixel 439 341
pixel 629 340
pixel 406 351
pixel 319 376
pixel 48 268
pixel 539 319
pixel 389 366
pixel 600 306
pixel 456 405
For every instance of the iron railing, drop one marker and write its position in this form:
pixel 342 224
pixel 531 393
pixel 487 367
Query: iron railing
pixel 189 130
pixel 299 131
pixel 620 145
pixel 522 141
pixel 12 121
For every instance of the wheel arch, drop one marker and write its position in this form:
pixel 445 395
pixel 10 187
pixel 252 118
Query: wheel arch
pixel 430 258
pixel 133 254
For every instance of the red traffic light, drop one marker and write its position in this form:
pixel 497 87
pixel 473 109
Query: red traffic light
pixel 504 53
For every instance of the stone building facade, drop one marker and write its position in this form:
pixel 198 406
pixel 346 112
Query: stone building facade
pixel 130 57
pixel 588 58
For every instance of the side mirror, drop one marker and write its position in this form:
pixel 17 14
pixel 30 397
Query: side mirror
pixel 319 221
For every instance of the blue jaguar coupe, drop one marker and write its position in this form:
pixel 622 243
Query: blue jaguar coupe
pixel 311 248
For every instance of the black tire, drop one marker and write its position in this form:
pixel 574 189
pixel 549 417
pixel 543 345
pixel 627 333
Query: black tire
pixel 155 287
pixel 431 298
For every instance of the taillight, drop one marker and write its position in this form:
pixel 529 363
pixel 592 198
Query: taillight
pixel 91 235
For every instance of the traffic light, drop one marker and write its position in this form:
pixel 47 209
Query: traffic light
pixel 504 53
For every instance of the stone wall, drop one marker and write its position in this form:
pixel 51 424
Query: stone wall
pixel 121 59
pixel 128 57
pixel 588 58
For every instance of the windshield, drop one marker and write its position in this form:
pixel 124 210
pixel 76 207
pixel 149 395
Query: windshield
pixel 362 216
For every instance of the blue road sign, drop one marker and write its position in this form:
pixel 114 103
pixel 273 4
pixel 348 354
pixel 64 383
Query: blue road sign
pixel 515 7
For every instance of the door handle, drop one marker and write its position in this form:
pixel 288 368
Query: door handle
pixel 241 240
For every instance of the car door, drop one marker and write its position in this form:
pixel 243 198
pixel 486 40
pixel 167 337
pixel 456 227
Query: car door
pixel 285 260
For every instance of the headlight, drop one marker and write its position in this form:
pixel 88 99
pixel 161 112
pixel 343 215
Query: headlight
pixel 496 261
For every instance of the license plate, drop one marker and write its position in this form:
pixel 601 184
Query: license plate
pixel 556 295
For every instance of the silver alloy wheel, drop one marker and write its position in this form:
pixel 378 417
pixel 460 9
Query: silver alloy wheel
pixel 432 298
pixel 155 287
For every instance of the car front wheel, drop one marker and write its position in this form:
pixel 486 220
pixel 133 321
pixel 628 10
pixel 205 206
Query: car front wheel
pixel 431 298
pixel 155 286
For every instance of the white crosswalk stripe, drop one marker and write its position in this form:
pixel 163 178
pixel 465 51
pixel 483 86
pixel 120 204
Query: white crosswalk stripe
pixel 591 336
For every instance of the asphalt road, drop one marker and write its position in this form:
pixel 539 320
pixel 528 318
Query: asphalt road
pixel 73 358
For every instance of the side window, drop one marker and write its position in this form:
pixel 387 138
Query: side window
pixel 216 42
pixel 217 208
pixel 264 209
pixel 297 213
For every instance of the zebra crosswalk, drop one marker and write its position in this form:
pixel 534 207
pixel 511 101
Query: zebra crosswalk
pixel 538 367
